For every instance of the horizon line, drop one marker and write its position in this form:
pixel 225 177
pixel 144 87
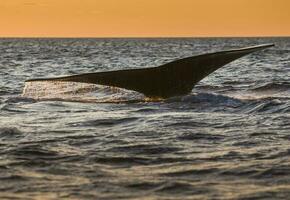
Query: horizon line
pixel 138 37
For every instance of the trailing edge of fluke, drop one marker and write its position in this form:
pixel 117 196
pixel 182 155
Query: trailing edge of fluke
pixel 172 79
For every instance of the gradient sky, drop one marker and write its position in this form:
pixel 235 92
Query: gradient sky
pixel 144 18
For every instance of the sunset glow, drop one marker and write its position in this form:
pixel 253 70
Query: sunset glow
pixel 144 18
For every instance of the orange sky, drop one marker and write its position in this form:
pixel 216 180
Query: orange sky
pixel 144 18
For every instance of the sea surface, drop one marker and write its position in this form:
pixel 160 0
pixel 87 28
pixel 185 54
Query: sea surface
pixel 228 139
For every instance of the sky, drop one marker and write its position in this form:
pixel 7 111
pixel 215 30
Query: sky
pixel 144 18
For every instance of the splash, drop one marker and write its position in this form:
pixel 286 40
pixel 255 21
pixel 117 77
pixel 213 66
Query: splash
pixel 80 92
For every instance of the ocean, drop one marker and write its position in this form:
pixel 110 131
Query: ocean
pixel 228 139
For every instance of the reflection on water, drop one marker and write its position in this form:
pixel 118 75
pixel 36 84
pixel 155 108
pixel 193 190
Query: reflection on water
pixel 228 139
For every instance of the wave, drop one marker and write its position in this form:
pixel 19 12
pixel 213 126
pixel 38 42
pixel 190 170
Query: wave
pixel 202 97
pixel 275 86
pixel 269 98
pixel 267 106
pixel 10 133
pixel 245 101
pixel 18 99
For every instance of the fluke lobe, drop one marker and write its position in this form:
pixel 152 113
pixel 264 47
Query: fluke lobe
pixel 172 79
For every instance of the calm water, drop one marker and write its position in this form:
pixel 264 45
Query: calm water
pixel 229 139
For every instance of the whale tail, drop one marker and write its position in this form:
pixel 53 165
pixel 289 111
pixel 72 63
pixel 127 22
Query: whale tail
pixel 172 79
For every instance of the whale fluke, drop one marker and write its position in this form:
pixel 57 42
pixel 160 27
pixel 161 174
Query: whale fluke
pixel 172 79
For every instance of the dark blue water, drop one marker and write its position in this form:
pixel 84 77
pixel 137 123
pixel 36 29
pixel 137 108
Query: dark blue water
pixel 228 139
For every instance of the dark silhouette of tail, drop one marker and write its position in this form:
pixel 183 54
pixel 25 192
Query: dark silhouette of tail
pixel 172 79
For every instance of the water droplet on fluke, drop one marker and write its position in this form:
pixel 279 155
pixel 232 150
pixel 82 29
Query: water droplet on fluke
pixel 81 92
